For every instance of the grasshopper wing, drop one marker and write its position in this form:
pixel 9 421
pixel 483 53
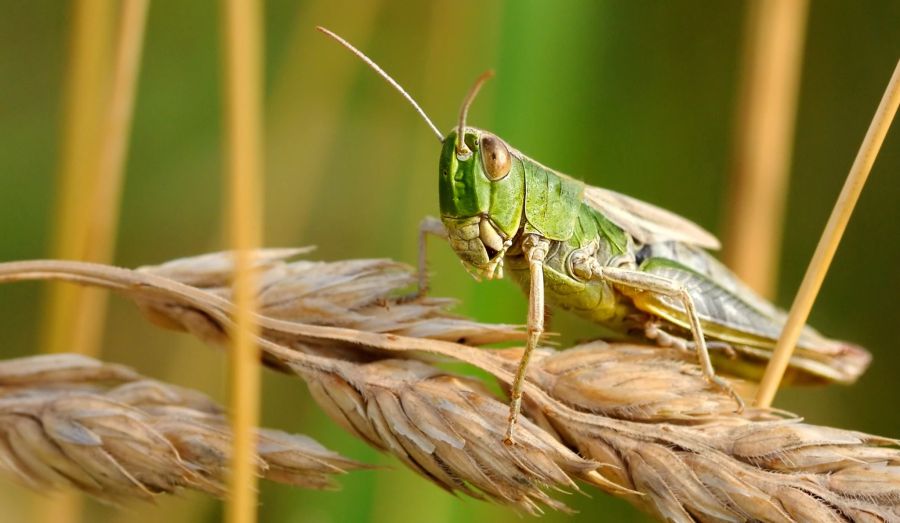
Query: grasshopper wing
pixel 733 314
pixel 647 223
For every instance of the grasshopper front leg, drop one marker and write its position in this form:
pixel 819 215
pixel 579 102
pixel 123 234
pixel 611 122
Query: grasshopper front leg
pixel 535 248
pixel 651 283
pixel 433 226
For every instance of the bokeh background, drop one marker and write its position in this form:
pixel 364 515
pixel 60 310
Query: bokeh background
pixel 639 97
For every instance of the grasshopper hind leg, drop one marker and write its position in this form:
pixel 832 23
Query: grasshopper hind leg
pixel 645 282
pixel 663 338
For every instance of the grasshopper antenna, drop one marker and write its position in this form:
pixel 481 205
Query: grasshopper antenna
pixel 384 75
pixel 462 151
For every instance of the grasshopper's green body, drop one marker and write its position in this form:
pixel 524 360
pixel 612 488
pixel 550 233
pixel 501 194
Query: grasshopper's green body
pixel 632 267
pixel 487 220
pixel 531 199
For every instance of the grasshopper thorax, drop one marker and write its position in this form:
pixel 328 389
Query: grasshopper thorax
pixel 482 194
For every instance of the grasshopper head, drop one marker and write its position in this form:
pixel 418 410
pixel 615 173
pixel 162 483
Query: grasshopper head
pixel 482 196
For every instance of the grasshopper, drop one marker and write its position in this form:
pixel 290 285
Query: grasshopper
pixel 633 267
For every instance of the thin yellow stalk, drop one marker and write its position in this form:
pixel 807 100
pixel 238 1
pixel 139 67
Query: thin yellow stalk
pixel 102 201
pixel 773 52
pixel 85 93
pixel 241 32
pixel 105 205
pixel 828 243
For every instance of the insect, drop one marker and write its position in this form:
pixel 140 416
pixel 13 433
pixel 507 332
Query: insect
pixel 615 260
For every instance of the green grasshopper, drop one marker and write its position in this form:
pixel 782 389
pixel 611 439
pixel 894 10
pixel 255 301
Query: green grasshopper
pixel 615 260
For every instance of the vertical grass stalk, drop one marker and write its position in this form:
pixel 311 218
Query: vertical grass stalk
pixel 104 204
pixel 101 199
pixel 85 92
pixel 74 315
pixel 831 237
pixel 767 106
pixel 242 47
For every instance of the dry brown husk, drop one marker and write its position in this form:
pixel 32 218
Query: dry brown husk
pixel 637 422
pixel 67 420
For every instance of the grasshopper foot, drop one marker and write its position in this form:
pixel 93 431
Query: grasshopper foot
pixel 514 406
pixel 726 387
pixel 509 439
pixel 412 296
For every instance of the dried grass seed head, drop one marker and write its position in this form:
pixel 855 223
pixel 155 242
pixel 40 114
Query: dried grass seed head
pixel 70 421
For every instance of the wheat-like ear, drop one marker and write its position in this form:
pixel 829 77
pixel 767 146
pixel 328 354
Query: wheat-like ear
pixel 70 421
pixel 637 422
pixel 446 428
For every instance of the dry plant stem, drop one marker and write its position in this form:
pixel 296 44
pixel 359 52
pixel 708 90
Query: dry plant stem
pixel 241 33
pixel 71 421
pixel 830 239
pixel 647 426
pixel 772 59
pixel 117 127
pixel 85 93
pixel 100 233
pixel 151 287
pixel 99 184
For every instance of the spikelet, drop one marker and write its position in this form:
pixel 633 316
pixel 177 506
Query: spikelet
pixel 447 428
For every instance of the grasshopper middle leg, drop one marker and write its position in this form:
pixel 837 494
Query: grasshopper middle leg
pixel 535 249
pixel 651 283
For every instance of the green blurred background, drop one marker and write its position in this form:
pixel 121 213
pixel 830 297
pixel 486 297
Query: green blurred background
pixel 634 96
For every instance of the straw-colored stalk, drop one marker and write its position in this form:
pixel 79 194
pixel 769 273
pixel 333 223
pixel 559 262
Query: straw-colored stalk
pixel 104 201
pixel 69 421
pixel 831 237
pixel 242 44
pixel 767 106
pixel 85 93
pixel 94 149
pixel 637 422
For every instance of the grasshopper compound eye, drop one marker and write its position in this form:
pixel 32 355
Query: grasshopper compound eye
pixel 495 157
